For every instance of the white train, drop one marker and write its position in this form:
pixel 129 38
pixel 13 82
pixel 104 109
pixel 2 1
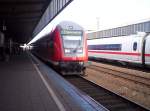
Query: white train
pixel 132 48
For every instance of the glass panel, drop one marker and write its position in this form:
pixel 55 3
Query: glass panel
pixel 135 46
pixel 72 42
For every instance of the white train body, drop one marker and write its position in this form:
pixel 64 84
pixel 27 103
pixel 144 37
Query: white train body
pixel 132 48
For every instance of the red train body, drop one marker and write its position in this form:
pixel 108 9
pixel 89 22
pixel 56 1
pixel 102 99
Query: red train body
pixel 65 47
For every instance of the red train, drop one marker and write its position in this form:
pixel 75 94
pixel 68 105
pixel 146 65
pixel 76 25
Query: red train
pixel 65 47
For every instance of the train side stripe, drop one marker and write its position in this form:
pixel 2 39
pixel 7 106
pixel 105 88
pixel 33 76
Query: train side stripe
pixel 119 53
pixel 148 55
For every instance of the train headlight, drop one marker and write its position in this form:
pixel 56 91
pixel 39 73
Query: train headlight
pixel 67 51
pixel 79 50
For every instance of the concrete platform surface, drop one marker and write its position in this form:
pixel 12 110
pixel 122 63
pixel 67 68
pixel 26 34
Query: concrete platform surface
pixel 21 89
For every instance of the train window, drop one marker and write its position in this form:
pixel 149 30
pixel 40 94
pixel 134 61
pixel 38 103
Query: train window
pixel 72 38
pixel 72 41
pixel 135 46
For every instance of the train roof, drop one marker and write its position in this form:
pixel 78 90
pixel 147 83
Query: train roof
pixel 68 25
pixel 121 31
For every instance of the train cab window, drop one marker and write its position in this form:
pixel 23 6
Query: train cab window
pixel 135 46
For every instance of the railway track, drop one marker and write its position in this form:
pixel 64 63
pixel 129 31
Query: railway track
pixel 137 78
pixel 108 99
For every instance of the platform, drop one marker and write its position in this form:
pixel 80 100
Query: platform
pixel 22 89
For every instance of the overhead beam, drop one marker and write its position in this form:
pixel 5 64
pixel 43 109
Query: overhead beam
pixel 17 17
pixel 11 3
pixel 21 12
pixel 54 8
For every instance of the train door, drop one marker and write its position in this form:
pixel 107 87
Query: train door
pixel 137 41
pixel 147 50
pixel 135 49
pixel 127 48
pixel 138 47
pixel 50 48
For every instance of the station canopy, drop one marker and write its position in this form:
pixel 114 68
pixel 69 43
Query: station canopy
pixel 21 19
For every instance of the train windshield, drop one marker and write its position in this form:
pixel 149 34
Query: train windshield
pixel 72 39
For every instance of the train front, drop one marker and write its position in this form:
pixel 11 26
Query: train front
pixel 74 48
